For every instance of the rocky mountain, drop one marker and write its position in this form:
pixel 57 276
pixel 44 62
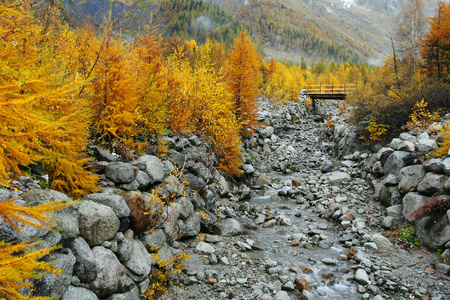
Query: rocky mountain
pixel 339 30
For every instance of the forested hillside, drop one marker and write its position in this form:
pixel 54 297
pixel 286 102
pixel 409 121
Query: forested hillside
pixel 278 26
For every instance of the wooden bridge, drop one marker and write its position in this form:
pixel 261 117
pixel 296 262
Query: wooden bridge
pixel 330 91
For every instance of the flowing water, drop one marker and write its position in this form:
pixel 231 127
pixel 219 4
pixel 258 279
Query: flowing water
pixel 296 258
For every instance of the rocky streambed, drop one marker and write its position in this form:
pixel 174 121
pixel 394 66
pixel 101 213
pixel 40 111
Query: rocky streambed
pixel 305 220
pixel 302 230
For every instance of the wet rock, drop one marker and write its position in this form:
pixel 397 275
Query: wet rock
pixel 98 222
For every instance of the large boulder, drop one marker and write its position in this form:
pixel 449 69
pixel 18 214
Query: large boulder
pixel 410 177
pixel 116 202
pixel 140 263
pixel 229 227
pixel 98 223
pixel 154 241
pixel 431 184
pixel 424 143
pixel 52 285
pixel 394 163
pixel 435 235
pixel 85 267
pixel 154 167
pixel 111 276
pixel 78 293
pixel 383 154
pixel 411 202
pixel 140 210
pixel 120 172
pixel 66 219
pixel 337 177
pixel 192 225
pixel 433 165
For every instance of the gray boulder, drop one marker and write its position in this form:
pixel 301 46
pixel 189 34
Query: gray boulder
pixel 337 177
pixel 111 273
pixel 406 146
pixel 435 236
pixel 266 132
pixel 362 277
pixel 394 163
pixel 431 184
pixel 116 202
pixel 78 293
pixel 155 167
pixel 144 179
pixel 383 154
pixel 66 219
pixel 433 165
pixel 410 177
pixel 194 182
pixel 192 225
pixel 395 143
pixel 229 227
pixel 204 248
pixel 52 285
pixel 424 143
pixel 140 263
pixel 132 294
pixel 186 207
pixel 222 186
pixel 98 223
pixel 120 172
pixel 446 166
pixel 411 202
pixel 408 137
pixel 85 267
pixel 154 241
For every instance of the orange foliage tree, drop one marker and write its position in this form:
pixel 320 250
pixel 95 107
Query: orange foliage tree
pixel 41 116
pixel 114 91
pixel 244 77
pixel 435 46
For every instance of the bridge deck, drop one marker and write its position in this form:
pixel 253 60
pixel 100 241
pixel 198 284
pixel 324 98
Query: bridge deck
pixel 334 96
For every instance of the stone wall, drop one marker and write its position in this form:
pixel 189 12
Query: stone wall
pixel 111 239
pixel 402 177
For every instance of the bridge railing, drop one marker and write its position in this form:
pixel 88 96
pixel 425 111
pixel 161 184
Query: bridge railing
pixel 331 88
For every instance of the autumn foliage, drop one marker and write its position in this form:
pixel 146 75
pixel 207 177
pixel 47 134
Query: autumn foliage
pixel 243 79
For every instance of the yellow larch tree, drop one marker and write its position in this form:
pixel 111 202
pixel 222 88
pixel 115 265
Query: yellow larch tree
pixel 244 76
